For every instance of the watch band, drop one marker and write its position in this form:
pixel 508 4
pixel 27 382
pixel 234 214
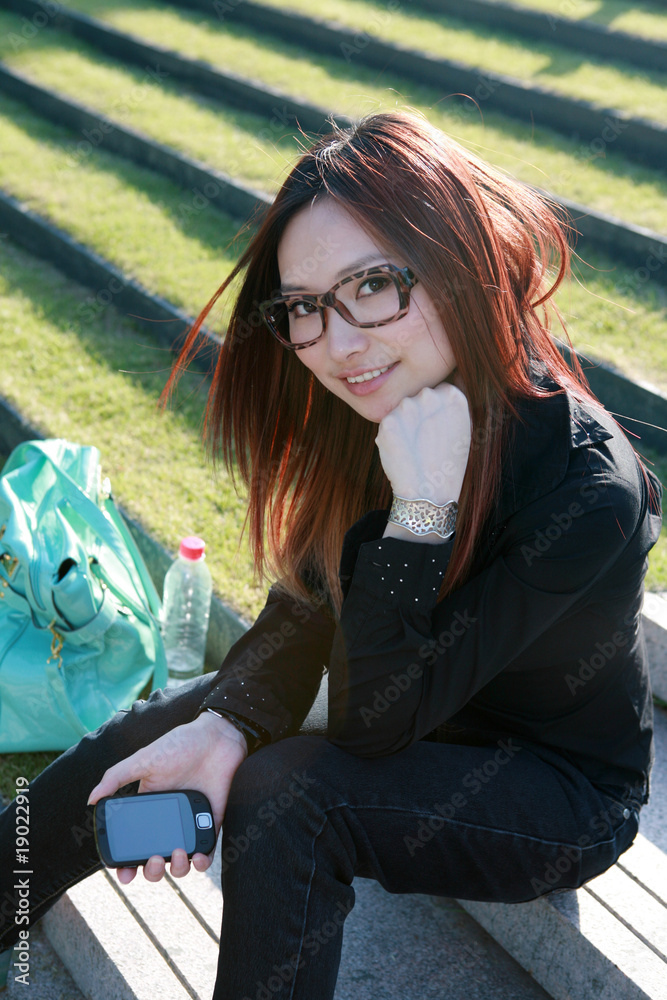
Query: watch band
pixel 423 516
pixel 255 735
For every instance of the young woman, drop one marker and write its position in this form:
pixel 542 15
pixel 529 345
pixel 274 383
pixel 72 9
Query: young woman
pixel 459 533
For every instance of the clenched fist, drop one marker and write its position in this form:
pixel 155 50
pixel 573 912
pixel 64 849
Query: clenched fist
pixel 424 444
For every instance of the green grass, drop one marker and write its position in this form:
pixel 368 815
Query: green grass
pixel 118 209
pixel 125 212
pixel 96 380
pixel 644 19
pixel 21 765
pixel 617 319
pixel 237 143
pixel 562 70
pixel 566 71
pixel 223 137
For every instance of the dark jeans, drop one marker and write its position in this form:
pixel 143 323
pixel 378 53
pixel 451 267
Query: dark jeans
pixel 502 822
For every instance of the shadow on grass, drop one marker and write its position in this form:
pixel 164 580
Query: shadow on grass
pixel 608 10
pixel 210 228
pixel 110 340
pixel 22 765
pixel 399 92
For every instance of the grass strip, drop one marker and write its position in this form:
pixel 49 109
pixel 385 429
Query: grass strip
pixel 125 212
pixel 614 317
pixel 644 19
pixel 96 381
pixel 21 765
pixel 121 211
pixel 641 93
pixel 238 143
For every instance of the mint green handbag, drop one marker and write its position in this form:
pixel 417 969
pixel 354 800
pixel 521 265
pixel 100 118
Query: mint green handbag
pixel 79 632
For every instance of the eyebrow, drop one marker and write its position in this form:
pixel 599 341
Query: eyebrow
pixel 355 265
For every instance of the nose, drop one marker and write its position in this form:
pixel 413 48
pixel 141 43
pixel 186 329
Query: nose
pixel 342 338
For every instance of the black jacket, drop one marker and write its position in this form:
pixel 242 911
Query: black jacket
pixel 542 643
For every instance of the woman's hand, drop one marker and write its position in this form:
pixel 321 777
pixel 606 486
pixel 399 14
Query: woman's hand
pixel 202 755
pixel 424 444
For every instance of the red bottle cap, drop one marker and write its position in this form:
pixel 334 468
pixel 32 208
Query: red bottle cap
pixel 192 548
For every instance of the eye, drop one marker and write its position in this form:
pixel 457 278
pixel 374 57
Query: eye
pixel 300 307
pixel 372 285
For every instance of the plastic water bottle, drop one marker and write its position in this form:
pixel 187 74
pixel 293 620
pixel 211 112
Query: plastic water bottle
pixel 186 607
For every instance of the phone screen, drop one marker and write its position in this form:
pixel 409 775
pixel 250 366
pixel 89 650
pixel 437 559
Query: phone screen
pixel 132 828
pixel 140 827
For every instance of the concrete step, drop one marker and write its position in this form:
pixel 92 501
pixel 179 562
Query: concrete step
pixel 143 942
pixel 48 978
pixel 146 941
pixel 654 615
pixel 605 941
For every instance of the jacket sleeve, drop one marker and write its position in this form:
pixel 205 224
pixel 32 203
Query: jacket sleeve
pixel 272 674
pixel 401 664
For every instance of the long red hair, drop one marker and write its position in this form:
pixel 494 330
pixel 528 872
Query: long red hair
pixel 489 253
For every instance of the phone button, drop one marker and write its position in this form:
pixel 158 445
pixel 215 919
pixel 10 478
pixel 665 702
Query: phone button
pixel 204 821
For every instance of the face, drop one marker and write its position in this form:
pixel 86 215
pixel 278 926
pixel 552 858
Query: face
pixel 322 244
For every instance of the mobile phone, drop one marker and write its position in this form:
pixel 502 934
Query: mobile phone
pixel 130 829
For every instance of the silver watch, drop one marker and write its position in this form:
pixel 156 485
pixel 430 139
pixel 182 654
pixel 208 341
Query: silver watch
pixel 422 517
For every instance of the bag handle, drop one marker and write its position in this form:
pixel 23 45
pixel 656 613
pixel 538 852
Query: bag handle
pixel 101 521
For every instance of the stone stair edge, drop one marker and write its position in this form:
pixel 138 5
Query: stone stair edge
pixel 575 946
pixel 106 949
pixel 642 406
pixel 504 93
pixel 605 958
pixel 585 34
pixel 630 243
pixel 639 138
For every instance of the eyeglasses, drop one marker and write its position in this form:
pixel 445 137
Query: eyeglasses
pixel 374 297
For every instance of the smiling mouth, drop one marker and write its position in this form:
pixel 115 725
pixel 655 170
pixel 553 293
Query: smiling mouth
pixel 368 376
